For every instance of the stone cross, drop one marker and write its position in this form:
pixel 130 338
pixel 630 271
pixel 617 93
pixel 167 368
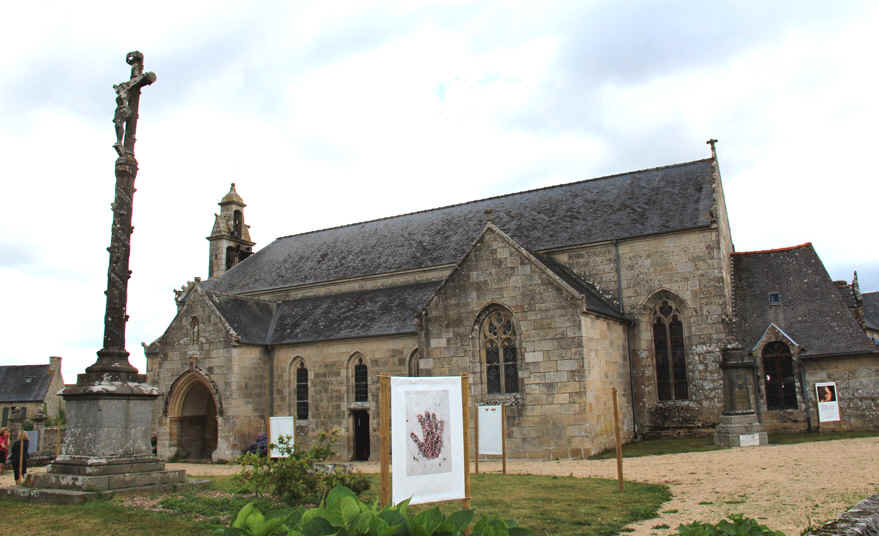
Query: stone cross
pixel 712 142
pixel 112 363
pixel 128 101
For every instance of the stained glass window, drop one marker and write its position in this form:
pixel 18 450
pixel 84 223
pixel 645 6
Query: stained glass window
pixel 668 349
pixel 302 392
pixel 361 387
pixel 500 353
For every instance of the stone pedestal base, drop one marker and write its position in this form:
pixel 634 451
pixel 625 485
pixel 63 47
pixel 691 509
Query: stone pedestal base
pixel 740 430
pixel 107 443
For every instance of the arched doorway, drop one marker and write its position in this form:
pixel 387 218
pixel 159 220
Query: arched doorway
pixel 192 418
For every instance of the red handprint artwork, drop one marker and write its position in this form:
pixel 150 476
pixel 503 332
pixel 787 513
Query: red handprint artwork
pixel 432 430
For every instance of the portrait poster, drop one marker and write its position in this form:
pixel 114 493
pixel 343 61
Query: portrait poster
pixel 280 426
pixel 427 439
pixel 490 430
pixel 828 402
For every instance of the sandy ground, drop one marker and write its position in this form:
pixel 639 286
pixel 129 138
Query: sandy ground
pixel 787 487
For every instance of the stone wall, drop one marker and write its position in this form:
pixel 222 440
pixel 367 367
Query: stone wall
pixel 239 374
pixel 330 366
pixel 689 268
pixel 857 382
pixel 550 415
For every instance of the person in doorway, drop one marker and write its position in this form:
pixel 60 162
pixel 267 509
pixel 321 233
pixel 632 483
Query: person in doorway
pixel 4 448
pixel 19 457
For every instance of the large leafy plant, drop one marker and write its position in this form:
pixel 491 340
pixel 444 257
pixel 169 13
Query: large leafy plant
pixel 343 514
pixel 301 476
pixel 735 525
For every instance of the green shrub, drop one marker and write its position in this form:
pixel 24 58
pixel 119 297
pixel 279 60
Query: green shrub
pixel 301 476
pixel 737 525
pixel 343 514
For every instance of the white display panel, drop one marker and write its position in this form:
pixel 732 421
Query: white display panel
pixel 828 401
pixel 427 438
pixel 279 426
pixel 490 430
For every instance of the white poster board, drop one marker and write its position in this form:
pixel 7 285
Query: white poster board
pixel 279 426
pixel 427 439
pixel 828 403
pixel 490 430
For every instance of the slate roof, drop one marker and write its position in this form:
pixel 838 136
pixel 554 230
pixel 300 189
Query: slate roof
pixel 811 311
pixel 251 319
pixel 16 387
pixel 871 310
pixel 639 203
pixel 594 300
pixel 387 311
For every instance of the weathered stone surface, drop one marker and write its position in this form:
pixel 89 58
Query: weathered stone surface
pixel 861 520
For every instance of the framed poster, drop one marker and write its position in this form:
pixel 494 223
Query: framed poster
pixel 828 403
pixel 427 438
pixel 279 426
pixel 490 430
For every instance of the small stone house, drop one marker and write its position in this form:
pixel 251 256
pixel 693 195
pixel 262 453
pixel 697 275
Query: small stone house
pixel 29 387
pixel 548 299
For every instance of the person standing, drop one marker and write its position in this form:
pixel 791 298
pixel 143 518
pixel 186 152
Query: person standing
pixel 19 456
pixel 4 448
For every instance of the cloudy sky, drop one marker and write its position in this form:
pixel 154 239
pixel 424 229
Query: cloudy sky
pixel 326 113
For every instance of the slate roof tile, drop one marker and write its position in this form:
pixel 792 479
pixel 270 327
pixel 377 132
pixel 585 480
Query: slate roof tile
pixel 386 311
pixel 871 310
pixel 24 383
pixel 811 311
pixel 639 203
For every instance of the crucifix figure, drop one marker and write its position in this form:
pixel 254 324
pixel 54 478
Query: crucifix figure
pixel 127 102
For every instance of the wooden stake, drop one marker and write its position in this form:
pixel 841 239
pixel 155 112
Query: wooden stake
pixel 616 429
pixel 384 432
pixel 476 434
pixel 465 403
pixel 504 435
pixel 19 475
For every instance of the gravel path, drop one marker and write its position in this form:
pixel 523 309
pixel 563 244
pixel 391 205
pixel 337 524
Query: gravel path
pixel 786 487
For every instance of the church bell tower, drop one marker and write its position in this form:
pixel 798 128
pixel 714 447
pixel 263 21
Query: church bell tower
pixel 230 237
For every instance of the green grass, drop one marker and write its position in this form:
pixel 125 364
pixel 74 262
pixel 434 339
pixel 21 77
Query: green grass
pixel 95 517
pixel 655 447
pixel 789 438
pixel 546 504
pixel 560 505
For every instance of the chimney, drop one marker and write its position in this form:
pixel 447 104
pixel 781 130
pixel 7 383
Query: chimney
pixel 55 363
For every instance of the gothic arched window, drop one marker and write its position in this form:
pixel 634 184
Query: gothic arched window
pixel 668 346
pixel 195 329
pixel 301 391
pixel 778 374
pixel 361 383
pixel 499 352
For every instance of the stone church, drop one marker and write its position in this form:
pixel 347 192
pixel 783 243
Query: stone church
pixel 548 299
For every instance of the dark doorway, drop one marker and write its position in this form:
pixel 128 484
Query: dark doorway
pixel 197 424
pixel 361 434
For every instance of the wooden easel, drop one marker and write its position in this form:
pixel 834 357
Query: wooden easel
pixel 384 433
pixel 503 436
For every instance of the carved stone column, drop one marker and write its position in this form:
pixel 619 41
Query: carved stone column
pixel 739 425
pixel 109 410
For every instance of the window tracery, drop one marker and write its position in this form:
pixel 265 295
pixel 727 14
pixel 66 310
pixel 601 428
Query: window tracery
pixel 499 352
pixel 668 346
